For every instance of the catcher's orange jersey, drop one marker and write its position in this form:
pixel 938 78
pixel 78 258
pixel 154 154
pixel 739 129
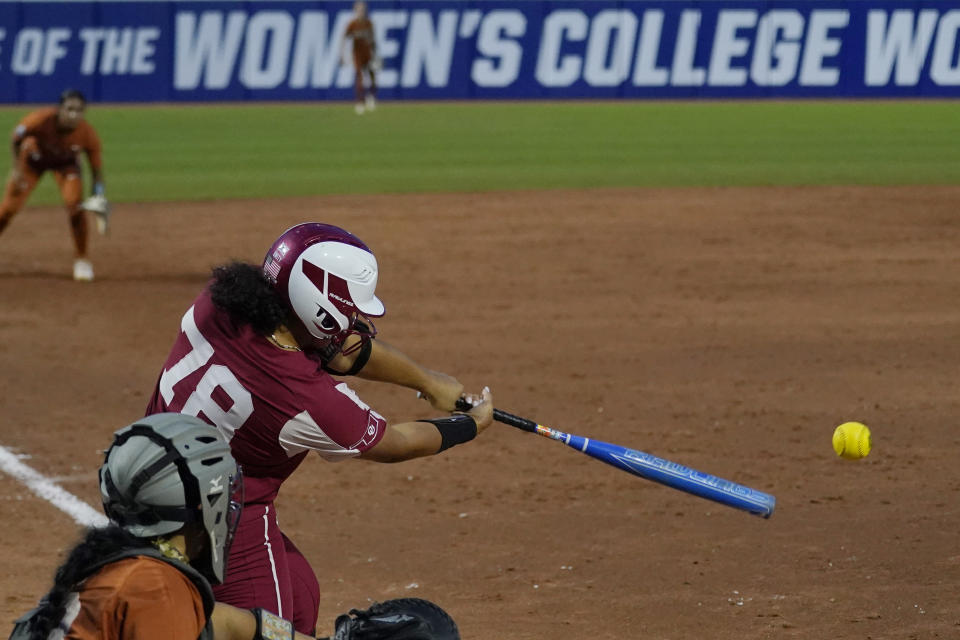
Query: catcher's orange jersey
pixel 361 30
pixel 138 598
pixel 57 148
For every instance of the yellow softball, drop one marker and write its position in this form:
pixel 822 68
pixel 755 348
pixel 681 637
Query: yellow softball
pixel 851 440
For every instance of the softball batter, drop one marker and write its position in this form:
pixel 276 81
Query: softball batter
pixel 254 357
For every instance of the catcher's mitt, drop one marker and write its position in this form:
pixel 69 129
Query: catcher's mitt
pixel 400 619
pixel 98 206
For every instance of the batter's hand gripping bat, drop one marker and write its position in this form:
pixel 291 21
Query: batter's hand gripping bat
pixel 650 467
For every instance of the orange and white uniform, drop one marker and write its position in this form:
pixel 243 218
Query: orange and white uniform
pixel 40 145
pixel 139 598
pixel 360 31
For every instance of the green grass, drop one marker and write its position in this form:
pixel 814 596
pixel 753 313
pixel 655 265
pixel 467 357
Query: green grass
pixel 264 150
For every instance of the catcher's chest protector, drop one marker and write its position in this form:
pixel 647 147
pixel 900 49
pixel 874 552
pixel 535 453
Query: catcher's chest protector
pixel 21 626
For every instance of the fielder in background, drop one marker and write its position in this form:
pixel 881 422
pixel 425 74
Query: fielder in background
pixel 51 139
pixel 256 356
pixel 365 60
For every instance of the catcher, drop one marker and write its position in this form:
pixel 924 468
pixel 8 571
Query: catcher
pixel 173 494
pixel 51 139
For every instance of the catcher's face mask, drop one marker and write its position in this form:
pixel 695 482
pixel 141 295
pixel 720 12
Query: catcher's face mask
pixel 220 521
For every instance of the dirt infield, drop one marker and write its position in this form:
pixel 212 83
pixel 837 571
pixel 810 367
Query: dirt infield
pixel 726 329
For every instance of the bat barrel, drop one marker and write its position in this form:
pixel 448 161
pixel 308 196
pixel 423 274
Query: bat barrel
pixel 676 475
pixel 651 467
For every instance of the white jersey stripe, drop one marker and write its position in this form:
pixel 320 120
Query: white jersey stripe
pixel 273 564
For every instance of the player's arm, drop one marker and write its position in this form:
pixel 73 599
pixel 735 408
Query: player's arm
pixel 347 44
pixel 26 128
pixel 384 363
pixel 232 623
pixel 94 153
pixel 21 131
pixel 409 440
pixel 15 140
pixel 373 41
pixel 16 173
pixel 99 186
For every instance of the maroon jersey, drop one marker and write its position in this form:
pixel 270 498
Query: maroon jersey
pixel 272 405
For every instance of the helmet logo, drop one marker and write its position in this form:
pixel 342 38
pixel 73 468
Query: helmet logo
pixel 316 275
pixel 341 300
pixel 334 316
pixel 216 485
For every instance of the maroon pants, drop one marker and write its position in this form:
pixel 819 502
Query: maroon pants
pixel 265 569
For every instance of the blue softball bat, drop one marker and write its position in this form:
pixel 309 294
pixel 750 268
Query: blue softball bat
pixel 672 474
pixel 653 468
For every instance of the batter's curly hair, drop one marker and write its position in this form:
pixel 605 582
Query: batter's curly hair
pixel 96 545
pixel 243 291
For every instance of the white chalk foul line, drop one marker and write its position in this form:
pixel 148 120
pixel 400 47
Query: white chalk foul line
pixel 47 489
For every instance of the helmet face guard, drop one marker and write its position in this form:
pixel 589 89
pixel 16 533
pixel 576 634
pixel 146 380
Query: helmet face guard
pixel 363 327
pixel 220 546
pixel 169 470
pixel 327 279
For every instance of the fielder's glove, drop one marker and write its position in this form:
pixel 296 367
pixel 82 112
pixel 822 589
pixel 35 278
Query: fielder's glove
pixel 400 619
pixel 99 207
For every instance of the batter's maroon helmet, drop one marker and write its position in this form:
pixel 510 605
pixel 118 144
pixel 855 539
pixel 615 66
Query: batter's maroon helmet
pixel 326 276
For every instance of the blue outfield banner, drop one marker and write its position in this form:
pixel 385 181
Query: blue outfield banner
pixel 130 51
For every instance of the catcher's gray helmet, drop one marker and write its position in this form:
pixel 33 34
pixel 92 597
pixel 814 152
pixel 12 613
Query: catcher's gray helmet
pixel 167 470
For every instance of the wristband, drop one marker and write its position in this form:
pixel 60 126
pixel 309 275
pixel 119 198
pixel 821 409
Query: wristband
pixel 272 627
pixel 454 430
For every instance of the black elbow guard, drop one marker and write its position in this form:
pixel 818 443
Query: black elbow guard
pixel 362 358
pixel 365 349
pixel 454 430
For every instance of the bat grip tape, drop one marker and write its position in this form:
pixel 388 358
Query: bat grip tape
pixel 504 417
